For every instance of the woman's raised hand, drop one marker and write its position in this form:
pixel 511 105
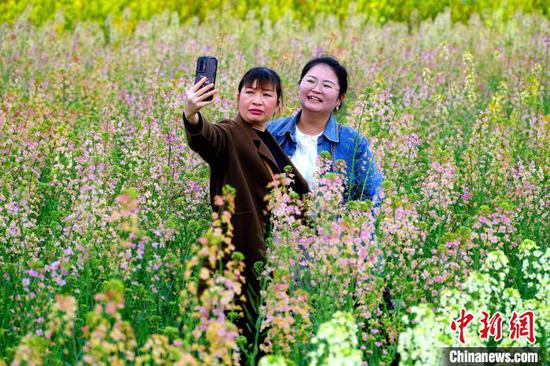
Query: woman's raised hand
pixel 194 99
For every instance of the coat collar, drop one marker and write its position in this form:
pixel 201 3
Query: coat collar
pixel 300 184
pixel 263 150
pixel 330 132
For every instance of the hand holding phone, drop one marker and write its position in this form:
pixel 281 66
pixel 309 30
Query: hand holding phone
pixel 197 97
pixel 202 92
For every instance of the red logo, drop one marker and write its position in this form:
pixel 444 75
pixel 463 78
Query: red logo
pixel 491 327
pixel 523 326
pixel 520 325
pixel 463 321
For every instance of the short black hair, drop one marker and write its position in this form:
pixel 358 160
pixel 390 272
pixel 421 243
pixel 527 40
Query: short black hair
pixel 265 78
pixel 339 70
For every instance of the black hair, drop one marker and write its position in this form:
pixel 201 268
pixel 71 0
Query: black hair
pixel 339 70
pixel 265 78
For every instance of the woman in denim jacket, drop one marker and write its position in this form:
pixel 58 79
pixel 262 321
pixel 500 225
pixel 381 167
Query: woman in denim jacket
pixel 314 129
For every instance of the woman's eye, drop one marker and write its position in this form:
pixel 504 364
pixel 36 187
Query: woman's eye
pixel 268 95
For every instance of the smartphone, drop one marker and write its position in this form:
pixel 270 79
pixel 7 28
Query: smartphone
pixel 206 66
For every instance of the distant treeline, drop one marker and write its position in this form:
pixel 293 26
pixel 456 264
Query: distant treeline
pixel 378 11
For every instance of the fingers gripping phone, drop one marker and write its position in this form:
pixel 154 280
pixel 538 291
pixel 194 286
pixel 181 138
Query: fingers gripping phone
pixel 206 66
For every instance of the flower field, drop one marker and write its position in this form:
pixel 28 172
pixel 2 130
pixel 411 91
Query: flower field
pixel 105 223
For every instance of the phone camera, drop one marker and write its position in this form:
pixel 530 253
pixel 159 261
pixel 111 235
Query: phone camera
pixel 202 66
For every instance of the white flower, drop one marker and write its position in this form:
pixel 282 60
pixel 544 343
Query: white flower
pixel 336 342
pixel 273 360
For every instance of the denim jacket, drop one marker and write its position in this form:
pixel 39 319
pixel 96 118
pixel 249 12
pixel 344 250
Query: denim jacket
pixel 364 179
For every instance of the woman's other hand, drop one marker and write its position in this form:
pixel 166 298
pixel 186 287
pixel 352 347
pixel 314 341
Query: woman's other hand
pixel 194 99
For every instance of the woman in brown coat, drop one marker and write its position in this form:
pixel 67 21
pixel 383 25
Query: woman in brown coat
pixel 243 154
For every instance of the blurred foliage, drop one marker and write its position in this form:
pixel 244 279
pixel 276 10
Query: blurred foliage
pixel 130 12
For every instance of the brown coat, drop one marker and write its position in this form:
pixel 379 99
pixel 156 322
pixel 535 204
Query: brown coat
pixel 238 157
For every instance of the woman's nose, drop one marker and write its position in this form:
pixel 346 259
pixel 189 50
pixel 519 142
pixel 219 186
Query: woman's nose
pixel 317 88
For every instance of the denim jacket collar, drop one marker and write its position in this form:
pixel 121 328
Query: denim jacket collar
pixel 330 132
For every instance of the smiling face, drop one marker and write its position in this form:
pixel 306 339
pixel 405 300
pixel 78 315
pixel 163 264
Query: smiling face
pixel 257 103
pixel 319 90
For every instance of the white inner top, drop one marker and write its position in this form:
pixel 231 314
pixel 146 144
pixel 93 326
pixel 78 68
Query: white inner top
pixel 305 157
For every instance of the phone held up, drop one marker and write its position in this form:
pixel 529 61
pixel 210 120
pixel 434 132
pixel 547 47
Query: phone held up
pixel 206 66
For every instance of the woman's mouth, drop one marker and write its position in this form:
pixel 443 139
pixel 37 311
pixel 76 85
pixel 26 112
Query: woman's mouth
pixel 315 99
pixel 256 111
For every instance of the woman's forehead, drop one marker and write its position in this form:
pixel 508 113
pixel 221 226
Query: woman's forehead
pixel 323 71
pixel 260 84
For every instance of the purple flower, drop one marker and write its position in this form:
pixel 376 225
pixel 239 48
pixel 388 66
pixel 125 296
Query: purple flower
pixel 33 273
pixel 12 208
pixel 14 230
